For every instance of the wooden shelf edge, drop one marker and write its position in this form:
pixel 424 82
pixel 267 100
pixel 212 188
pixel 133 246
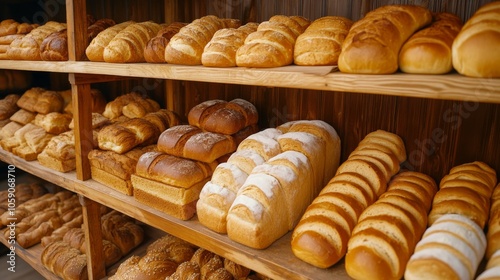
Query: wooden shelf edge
pixel 447 87
pixel 277 261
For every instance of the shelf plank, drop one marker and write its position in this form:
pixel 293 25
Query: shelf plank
pixel 277 261
pixel 448 87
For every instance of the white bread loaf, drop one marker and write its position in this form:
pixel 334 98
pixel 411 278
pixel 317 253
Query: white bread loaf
pixel 466 190
pixel 428 51
pixel 321 239
pixel 373 43
pixel 386 233
pixel 474 50
pixel 451 248
pixel 321 42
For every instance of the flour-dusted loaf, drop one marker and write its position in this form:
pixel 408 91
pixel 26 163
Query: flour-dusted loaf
pixel 321 42
pixel 373 43
pixel 321 236
pixel 428 51
pixel 186 47
pixel 386 233
pixel 474 49
pixel 221 50
pixel 465 190
pixel 155 48
pixel 95 50
pixel 226 117
pixel 28 47
pixel 128 45
pixel 272 44
pixel 451 248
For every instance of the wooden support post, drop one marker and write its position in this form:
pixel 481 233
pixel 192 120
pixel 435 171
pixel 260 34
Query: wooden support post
pixel 93 238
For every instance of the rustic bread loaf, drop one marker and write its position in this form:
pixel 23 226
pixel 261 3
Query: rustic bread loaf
pixel 473 50
pixel 466 190
pixel 95 50
pixel 65 261
pixel 28 47
pixel 128 45
pixel 272 44
pixel 321 42
pixel 221 50
pixel 373 43
pixel 155 48
pixel 386 233
pixel 8 106
pixel 186 47
pixel 11 26
pixel 451 248
pixel 428 51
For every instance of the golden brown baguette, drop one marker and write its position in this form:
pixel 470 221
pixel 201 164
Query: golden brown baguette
pixel 28 47
pixel 272 44
pixel 321 42
pixel 373 43
pixel 428 51
pixel 95 50
pixel 155 48
pixel 186 47
pixel 128 45
pixel 474 49
pixel 221 50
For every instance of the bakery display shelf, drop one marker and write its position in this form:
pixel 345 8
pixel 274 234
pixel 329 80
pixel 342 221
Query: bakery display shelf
pixel 449 87
pixel 277 261
pixel 31 256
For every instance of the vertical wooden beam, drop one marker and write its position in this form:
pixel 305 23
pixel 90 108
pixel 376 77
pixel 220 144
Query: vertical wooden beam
pixel 93 238
pixel 76 14
pixel 170 13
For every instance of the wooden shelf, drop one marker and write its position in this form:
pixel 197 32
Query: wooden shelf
pixel 277 261
pixel 447 87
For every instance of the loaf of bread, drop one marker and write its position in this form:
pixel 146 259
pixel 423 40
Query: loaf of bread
pixel 128 45
pixel 23 116
pixel 428 51
pixel 114 170
pixel 473 49
pixel 154 51
pixel 465 190
pixel 40 100
pixel 451 248
pixel 95 50
pixel 386 233
pixel 170 184
pixel 221 50
pixel 11 26
pixel 59 233
pixel 321 238
pixel 493 224
pixel 132 105
pixel 65 261
pixel 162 258
pixel 124 136
pixel 55 46
pixel 224 117
pixel 373 43
pixel 321 42
pixel 272 44
pixel 186 47
pixel 23 192
pixel 191 142
pixel 28 47
pixel 8 106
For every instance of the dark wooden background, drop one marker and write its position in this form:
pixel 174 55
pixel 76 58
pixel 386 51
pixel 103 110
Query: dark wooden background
pixel 438 134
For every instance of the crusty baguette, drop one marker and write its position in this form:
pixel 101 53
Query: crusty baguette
pixel 474 49
pixel 428 51
pixel 128 45
pixel 321 42
pixel 373 43
pixel 186 47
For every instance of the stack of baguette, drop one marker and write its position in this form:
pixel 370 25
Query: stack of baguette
pixel 273 43
pixel 387 232
pixel 322 235
pixel 11 30
pixel 373 43
pixel 465 190
pixel 273 170
pixel 171 179
pixel 479 32
pixel 321 42
pixel 451 248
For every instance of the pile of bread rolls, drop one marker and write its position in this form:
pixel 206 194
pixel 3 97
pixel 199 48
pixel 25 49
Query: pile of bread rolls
pixel 170 179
